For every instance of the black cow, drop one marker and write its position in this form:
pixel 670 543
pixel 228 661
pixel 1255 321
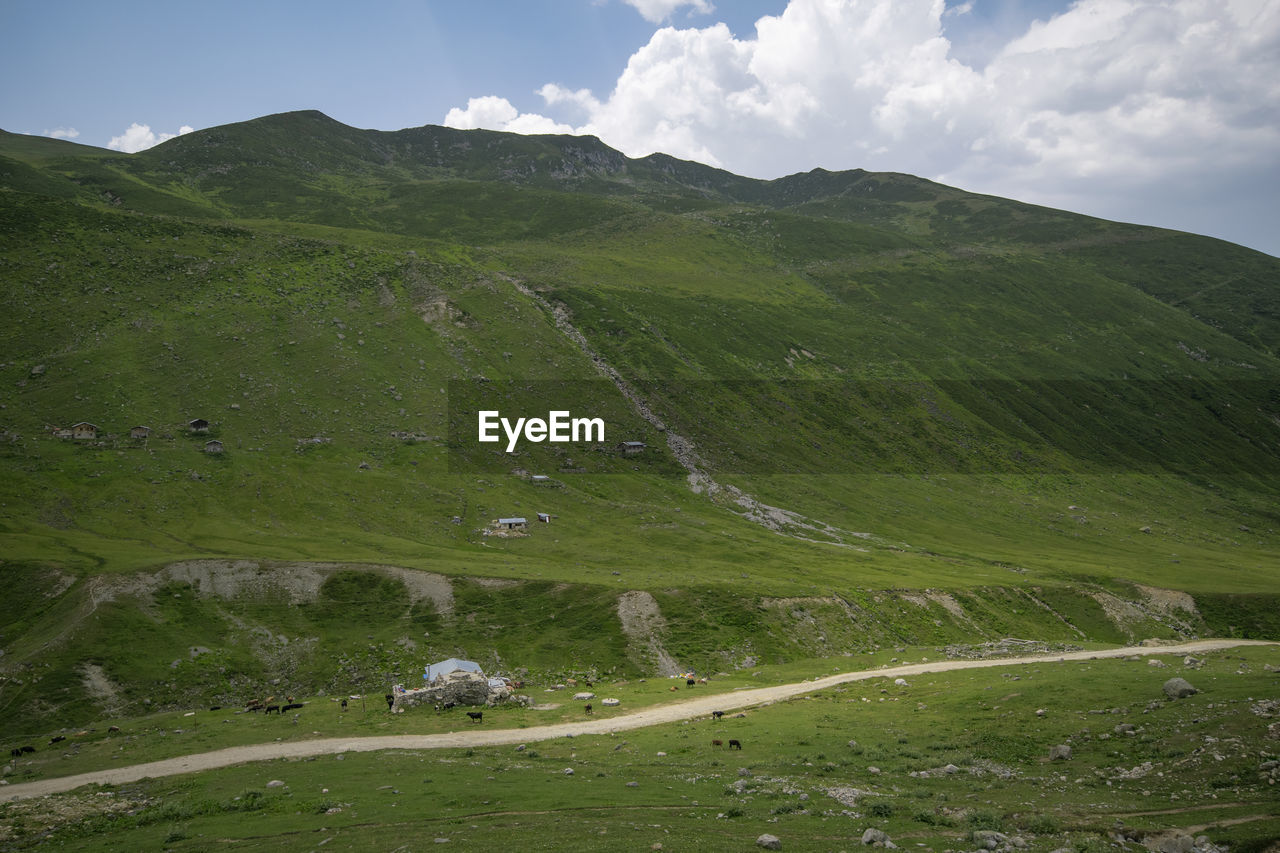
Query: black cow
pixel 477 716
pixel 391 700
pixel 16 751
pixel 291 706
pixel 735 744
pixel 270 708
pixel 588 709
pixel 690 682
pixel 57 739
pixel 344 704
pixel 715 715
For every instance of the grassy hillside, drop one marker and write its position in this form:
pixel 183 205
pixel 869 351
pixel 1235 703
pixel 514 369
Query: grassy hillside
pixel 849 383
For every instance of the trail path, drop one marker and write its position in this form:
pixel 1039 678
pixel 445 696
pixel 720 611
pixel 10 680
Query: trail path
pixel 670 713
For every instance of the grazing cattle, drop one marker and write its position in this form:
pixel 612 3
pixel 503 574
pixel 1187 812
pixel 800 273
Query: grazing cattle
pixel 391 700
pixel 255 705
pixel 477 716
pixel 291 706
pixel 57 739
pixel 16 751
pixel 344 704
pixel 690 682
pixel 717 742
pixel 588 709
pixel 715 715
pixel 735 744
pixel 215 707
pixel 271 708
pixel 28 749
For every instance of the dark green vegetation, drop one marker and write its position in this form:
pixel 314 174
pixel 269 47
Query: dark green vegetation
pixel 880 413
pixel 815 771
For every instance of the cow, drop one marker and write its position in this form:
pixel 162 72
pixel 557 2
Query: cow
pixel 588 709
pixel 344 704
pixel 291 706
pixel 215 707
pixel 16 751
pixel 28 749
pixel 476 716
pixel 391 700
pixel 113 729
pixel 715 715
pixel 735 744
pixel 270 708
pixel 57 739
pixel 717 742
pixel 690 682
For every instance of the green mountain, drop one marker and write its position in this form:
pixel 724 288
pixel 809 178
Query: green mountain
pixel 852 387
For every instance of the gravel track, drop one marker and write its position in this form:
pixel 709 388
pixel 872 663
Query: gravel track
pixel 669 713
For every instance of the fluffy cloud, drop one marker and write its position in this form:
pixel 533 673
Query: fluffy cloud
pixel 139 137
pixel 1109 102
pixel 494 113
pixel 657 11
pixel 63 133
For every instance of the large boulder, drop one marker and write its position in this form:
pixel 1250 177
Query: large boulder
pixel 769 842
pixel 1179 688
pixel 1060 752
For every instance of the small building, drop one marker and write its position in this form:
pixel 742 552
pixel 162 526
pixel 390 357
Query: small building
pixel 213 446
pixel 140 432
pixel 516 523
pixel 198 425
pixel 444 667
pixel 544 518
pixel 632 447
pixel 84 430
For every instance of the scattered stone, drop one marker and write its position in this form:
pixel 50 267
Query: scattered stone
pixel 583 697
pixel 1155 662
pixel 568 771
pixel 633 784
pixel 1040 712
pixel 877 838
pixel 989 839
pixel 950 769
pixel 521 748
pixel 662 755
pixel 1124 729
pixel 610 702
pixel 275 783
pixel 874 771
pixel 742 771
pixel 769 842
pixel 901 682
pixel 1179 688
pixel 1060 752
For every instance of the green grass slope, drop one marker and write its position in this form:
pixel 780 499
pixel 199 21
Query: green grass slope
pixel 848 383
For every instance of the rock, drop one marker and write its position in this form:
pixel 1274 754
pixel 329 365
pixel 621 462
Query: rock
pixel 1155 662
pixel 38 370
pixel 988 839
pixel 1124 729
pixel 901 682
pixel 583 697
pixel 876 837
pixel 742 771
pixel 769 842
pixel 1176 843
pixel 1061 752
pixel 1144 529
pixel 610 703
pixel 521 748
pixel 950 769
pixel 662 755
pixel 1179 688
pixel 275 783
pixel 633 784
pixel 1040 712
pixel 568 771
pixel 874 771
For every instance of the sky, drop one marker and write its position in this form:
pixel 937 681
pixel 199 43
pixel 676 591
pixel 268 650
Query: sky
pixel 1161 112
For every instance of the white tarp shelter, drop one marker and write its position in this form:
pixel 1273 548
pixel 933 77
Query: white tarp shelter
pixel 444 667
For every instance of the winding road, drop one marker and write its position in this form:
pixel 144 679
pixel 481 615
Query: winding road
pixel 669 713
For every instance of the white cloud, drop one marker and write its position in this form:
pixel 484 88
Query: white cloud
pixel 1098 108
pixel 62 133
pixel 140 137
pixel 494 113
pixel 657 11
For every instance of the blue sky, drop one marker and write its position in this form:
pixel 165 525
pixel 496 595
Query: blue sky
pixel 1156 111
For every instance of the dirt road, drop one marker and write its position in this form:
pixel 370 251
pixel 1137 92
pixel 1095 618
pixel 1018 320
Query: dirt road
pixel 669 713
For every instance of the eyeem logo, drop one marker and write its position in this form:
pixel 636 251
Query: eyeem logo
pixel 558 427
